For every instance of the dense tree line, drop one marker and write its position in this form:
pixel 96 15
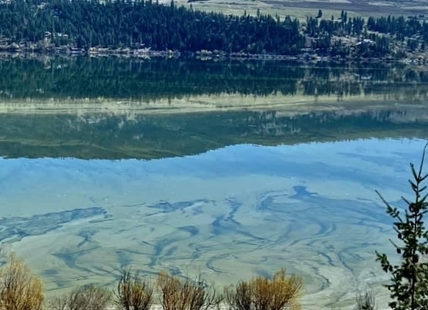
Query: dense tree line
pixel 134 24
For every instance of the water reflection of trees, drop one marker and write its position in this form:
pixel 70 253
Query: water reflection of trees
pixel 176 78
pixel 157 136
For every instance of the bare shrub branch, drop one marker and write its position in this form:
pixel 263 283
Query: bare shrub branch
pixel 239 297
pixel 365 301
pixel 184 294
pixel 19 289
pixel 87 297
pixel 280 292
pixel 133 292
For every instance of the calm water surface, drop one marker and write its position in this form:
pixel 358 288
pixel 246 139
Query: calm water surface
pixel 229 193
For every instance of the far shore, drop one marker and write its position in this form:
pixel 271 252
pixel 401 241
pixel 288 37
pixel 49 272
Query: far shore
pixel 146 54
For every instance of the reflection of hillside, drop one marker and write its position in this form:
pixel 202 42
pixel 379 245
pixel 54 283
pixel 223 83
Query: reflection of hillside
pixel 82 77
pixel 158 136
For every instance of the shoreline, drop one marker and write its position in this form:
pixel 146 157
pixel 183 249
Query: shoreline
pixel 145 54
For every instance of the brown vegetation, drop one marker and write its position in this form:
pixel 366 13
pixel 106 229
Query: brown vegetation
pixel 184 294
pixel 87 297
pixel 260 293
pixel 133 292
pixel 19 289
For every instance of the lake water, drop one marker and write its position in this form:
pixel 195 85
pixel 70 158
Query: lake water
pixel 225 169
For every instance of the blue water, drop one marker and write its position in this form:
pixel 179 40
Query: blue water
pixel 230 213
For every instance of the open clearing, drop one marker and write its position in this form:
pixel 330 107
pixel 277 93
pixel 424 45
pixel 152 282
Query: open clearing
pixel 302 9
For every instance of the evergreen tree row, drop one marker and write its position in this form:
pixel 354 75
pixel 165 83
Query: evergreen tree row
pixel 136 24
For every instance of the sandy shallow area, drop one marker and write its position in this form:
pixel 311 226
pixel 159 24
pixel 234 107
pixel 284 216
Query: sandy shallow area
pixel 282 104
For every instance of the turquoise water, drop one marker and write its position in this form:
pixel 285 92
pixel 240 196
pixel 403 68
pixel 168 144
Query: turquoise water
pixel 280 170
pixel 229 213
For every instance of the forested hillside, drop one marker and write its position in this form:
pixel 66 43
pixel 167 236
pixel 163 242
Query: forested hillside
pixel 42 25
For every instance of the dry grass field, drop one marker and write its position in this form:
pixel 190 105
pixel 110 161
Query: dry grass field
pixel 301 9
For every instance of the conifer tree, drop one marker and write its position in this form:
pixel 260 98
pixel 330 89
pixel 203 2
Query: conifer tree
pixel 409 278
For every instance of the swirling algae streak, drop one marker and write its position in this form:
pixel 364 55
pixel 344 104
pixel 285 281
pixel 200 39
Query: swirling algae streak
pixel 226 240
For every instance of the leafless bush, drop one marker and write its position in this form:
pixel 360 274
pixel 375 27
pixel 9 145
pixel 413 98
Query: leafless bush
pixel 184 294
pixel 19 289
pixel 280 292
pixel 87 297
pixel 133 292
pixel 365 301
